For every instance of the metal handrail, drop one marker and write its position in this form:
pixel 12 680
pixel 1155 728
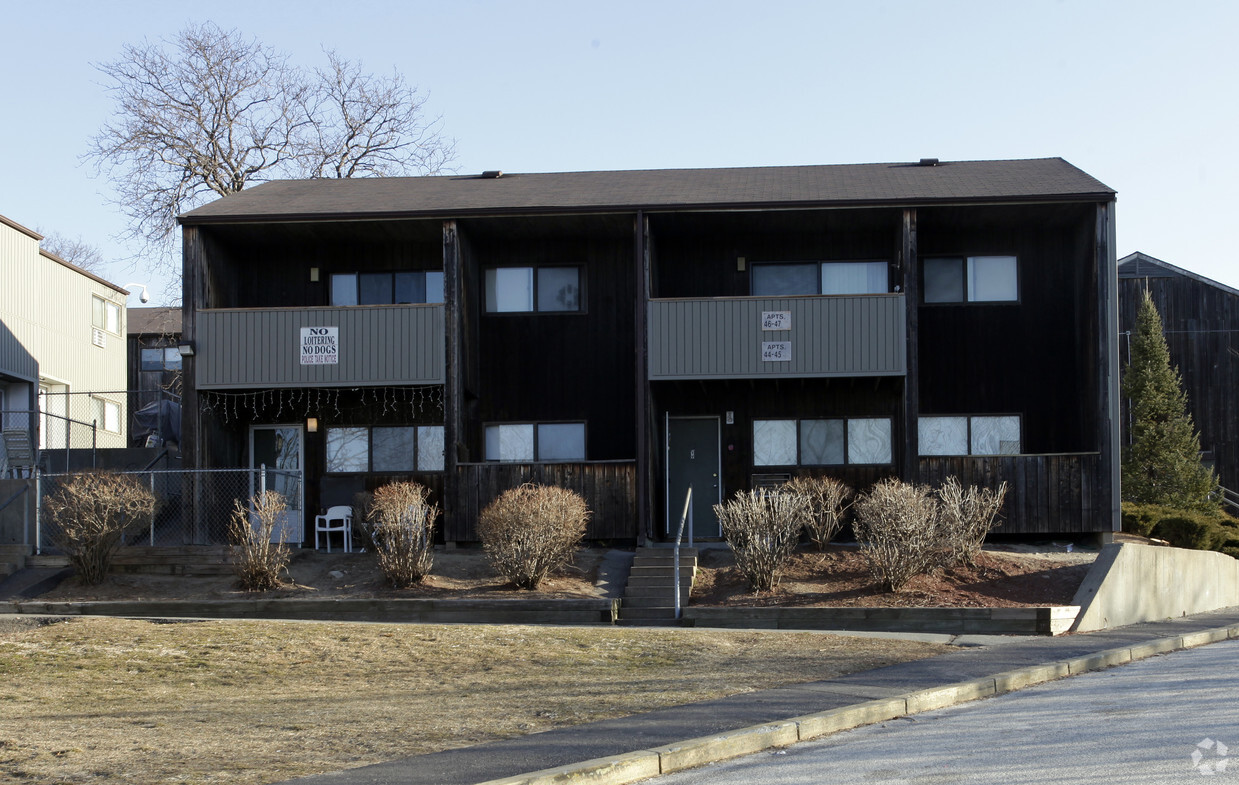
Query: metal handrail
pixel 675 553
pixel 1228 497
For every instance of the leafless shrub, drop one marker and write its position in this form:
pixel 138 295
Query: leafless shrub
pixel 530 530
pixel 89 515
pixel 967 516
pixel 827 499
pixel 762 528
pixel 401 524
pixel 897 526
pixel 257 560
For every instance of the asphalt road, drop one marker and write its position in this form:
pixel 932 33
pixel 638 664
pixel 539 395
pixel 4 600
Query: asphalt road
pixel 1139 723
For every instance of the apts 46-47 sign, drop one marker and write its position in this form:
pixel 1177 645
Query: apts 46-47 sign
pixel 320 345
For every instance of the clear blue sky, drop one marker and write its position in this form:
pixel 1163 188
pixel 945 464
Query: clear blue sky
pixel 1142 95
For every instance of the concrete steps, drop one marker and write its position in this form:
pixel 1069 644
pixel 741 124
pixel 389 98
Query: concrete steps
pixel 649 596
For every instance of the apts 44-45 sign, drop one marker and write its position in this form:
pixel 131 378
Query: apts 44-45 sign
pixel 320 345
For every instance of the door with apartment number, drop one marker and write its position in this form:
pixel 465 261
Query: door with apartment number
pixel 693 460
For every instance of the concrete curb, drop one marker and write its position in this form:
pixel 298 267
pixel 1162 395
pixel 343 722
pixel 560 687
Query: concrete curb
pixel 643 764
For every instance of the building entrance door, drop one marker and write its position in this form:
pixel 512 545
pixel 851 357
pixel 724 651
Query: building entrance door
pixel 693 460
pixel 281 449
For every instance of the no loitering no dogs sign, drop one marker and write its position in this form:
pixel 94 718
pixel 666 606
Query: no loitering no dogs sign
pixel 320 345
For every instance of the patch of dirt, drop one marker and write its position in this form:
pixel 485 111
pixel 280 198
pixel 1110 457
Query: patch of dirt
pixel 311 574
pixel 838 577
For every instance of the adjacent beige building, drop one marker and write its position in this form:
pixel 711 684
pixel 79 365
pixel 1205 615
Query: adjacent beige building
pixel 62 350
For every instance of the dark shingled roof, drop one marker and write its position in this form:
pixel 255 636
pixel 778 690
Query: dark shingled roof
pixel 155 320
pixel 662 189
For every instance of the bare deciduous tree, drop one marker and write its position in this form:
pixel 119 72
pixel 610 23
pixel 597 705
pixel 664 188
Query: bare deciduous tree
pixel 209 112
pixel 73 250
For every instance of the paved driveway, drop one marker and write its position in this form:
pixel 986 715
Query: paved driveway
pixel 1155 721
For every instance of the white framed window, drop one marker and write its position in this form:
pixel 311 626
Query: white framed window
pixel 543 442
pixel 779 279
pixel 107 415
pixel 969 435
pixel 973 279
pixel 533 289
pixel 389 449
pixel 402 287
pixel 105 315
pixel 822 442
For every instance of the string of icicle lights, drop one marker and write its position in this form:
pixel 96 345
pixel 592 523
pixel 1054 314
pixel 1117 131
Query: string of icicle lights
pixel 320 400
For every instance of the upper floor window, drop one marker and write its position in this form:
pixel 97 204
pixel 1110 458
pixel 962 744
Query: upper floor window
pixel 973 279
pixel 390 288
pixel 528 442
pixel 776 280
pixel 105 315
pixel 529 289
pixel 976 435
pixel 855 440
pixel 385 448
pixel 165 359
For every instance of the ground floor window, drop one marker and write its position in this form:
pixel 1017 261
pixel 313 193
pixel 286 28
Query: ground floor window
pixel 107 415
pixel 535 441
pixel 385 448
pixel 969 435
pixel 822 442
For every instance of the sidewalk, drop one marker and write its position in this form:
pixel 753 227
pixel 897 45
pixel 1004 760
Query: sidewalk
pixel 631 748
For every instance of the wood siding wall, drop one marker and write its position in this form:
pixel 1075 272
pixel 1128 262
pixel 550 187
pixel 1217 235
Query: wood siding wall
pixel 1047 494
pixel 609 489
pixel 379 345
pixel 861 335
pixel 1201 324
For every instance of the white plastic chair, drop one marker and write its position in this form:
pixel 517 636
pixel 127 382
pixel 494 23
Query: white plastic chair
pixel 337 519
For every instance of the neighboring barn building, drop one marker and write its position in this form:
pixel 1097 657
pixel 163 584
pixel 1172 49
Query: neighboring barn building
pixel 1201 322
pixel 631 333
pixel 62 349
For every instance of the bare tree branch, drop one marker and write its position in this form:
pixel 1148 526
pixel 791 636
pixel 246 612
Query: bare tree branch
pixel 74 250
pixel 210 112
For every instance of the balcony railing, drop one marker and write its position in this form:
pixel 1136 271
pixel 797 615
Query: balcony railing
pixel 363 345
pixel 761 337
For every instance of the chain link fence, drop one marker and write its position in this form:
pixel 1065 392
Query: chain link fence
pixel 192 506
pixel 108 419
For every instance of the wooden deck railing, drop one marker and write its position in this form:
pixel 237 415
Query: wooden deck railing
pixel 609 489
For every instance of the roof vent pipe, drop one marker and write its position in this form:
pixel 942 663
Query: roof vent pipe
pixel 492 174
pixel 928 162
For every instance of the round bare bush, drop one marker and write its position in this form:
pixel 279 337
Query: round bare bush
pixel 401 524
pixel 897 526
pixel 533 529
pixel 967 516
pixel 827 499
pixel 89 515
pixel 762 527
pixel 259 555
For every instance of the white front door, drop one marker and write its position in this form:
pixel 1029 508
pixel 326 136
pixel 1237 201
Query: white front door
pixel 281 449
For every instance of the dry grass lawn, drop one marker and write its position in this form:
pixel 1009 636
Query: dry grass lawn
pixel 98 699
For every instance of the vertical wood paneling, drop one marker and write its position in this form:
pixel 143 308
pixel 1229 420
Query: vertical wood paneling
pixel 378 345
pixel 1046 494
pixel 609 490
pixel 708 338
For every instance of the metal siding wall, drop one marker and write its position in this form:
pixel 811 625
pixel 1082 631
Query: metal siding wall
pixel 46 307
pixel 710 338
pixel 378 345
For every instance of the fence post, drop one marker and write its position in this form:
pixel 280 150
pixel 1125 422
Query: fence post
pixel 152 511
pixel 38 511
pixel 262 480
pixel 68 432
pixel 94 443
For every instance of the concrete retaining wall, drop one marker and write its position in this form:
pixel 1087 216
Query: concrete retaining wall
pixel 1131 583
pixel 1047 620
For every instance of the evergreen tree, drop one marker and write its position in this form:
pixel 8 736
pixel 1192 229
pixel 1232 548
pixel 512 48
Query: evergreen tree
pixel 1161 465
